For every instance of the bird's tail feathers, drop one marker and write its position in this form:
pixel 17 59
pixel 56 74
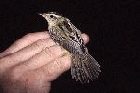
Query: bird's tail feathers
pixel 84 68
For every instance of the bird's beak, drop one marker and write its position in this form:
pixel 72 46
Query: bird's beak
pixel 39 14
pixel 42 14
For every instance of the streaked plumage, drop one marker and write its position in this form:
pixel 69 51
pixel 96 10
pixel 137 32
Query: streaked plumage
pixel 84 67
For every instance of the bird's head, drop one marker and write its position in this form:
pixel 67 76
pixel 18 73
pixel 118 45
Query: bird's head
pixel 52 18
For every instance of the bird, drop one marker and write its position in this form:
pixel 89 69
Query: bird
pixel 83 66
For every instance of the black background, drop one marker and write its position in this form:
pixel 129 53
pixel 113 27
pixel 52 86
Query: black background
pixel 112 26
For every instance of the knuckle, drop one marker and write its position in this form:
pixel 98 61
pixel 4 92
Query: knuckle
pixel 39 42
pixel 48 52
pixel 45 70
pixel 57 48
pixel 53 50
pixel 51 42
pixel 58 64
pixel 67 64
pixel 29 35
pixel 64 63
pixel 16 43
pixel 43 43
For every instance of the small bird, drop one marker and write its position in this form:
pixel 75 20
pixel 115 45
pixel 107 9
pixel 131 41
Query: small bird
pixel 83 67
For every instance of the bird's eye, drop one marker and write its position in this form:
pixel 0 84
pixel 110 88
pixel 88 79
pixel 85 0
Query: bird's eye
pixel 51 16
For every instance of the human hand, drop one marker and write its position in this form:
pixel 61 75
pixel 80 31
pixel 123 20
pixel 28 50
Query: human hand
pixel 31 63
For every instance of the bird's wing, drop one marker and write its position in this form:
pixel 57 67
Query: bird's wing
pixel 69 42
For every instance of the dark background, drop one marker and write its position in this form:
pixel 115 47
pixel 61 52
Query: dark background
pixel 112 26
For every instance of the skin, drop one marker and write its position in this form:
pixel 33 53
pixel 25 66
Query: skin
pixel 32 62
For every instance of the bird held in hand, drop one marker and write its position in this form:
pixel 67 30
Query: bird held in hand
pixel 84 67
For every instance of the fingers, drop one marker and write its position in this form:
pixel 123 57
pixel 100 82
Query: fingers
pixel 25 53
pixel 45 57
pixel 26 40
pixel 29 51
pixel 56 68
pixel 29 39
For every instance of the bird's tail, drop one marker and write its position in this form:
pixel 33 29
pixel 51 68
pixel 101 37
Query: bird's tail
pixel 84 68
